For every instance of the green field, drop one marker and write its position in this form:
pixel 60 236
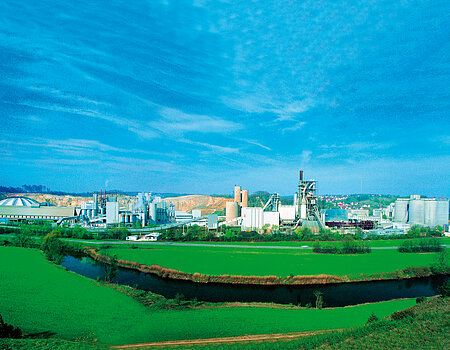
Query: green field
pixel 373 243
pixel 278 262
pixel 38 296
pixel 426 328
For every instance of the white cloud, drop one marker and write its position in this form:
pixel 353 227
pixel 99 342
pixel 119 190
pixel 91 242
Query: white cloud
pixel 295 127
pixel 215 148
pixel 256 144
pixel 131 125
pixel 177 122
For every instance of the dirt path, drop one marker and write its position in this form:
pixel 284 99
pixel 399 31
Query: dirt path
pixel 243 338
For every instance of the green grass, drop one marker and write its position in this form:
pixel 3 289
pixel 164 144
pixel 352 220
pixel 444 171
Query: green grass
pixel 427 329
pixel 278 262
pixel 38 296
pixel 46 344
pixel 373 243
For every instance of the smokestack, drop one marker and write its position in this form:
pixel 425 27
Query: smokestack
pixel 301 175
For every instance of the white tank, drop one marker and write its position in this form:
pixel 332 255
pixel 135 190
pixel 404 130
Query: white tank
pixel 232 210
pixel 401 210
pixel 417 211
pixel 442 207
pixel 430 212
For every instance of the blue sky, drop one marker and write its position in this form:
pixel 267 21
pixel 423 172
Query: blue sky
pixel 196 96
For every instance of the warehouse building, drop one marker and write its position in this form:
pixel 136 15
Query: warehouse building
pixel 25 209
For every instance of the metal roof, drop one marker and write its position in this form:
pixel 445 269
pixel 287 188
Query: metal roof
pixel 19 202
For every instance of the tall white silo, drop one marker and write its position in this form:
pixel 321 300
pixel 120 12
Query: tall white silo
pixel 401 210
pixel 417 211
pixel 430 209
pixel 442 207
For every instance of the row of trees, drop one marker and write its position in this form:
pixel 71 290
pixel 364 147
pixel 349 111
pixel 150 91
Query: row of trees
pixel 424 231
pixel 77 232
pixel 421 246
pixel 348 246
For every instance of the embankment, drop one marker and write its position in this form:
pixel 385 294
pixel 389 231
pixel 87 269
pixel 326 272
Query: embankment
pixel 164 272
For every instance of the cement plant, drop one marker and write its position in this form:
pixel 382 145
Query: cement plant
pixel 149 214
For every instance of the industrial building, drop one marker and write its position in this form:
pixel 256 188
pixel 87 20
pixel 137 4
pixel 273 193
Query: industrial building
pixel 26 209
pixel 105 210
pixel 422 211
pixel 148 210
pixel 303 211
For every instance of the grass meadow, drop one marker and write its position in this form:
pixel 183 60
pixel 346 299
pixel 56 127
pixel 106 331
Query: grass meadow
pixel 370 243
pixel 267 262
pixel 38 296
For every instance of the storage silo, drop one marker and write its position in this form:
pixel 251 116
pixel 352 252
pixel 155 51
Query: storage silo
pixel 442 207
pixel 237 194
pixel 252 218
pixel 401 210
pixel 152 211
pixel 430 210
pixel 417 211
pixel 244 198
pixel 232 210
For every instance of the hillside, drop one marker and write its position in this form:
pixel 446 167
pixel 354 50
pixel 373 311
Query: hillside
pixel 207 204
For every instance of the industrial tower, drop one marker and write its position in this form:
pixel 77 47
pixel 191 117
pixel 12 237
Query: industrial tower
pixel 307 208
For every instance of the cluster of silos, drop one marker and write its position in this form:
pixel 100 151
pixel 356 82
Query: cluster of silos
pixel 126 218
pixel 422 211
pixel 233 209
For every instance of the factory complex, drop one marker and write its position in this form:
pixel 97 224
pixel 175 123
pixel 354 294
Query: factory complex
pixel 152 213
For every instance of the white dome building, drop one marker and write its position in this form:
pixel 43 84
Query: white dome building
pixel 24 209
pixel 19 202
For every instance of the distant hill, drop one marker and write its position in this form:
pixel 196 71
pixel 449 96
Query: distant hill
pixel 207 204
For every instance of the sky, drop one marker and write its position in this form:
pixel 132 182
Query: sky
pixel 197 96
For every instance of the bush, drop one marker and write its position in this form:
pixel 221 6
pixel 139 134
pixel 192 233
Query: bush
pixel 319 299
pixel 441 265
pixel 372 318
pixel 417 271
pixel 23 241
pixel 420 300
pixel 8 331
pixel 179 298
pixel 110 265
pixel 422 246
pixel 53 247
pixel 444 290
pixel 348 247
pixel 399 315
pixel 119 233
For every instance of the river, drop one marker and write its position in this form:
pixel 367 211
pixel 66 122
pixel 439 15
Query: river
pixel 334 295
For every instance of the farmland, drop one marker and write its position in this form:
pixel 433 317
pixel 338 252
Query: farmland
pixel 38 296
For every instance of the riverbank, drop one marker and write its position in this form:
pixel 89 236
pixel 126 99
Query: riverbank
pixel 202 255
